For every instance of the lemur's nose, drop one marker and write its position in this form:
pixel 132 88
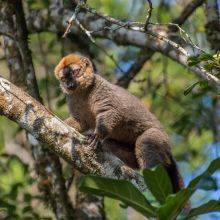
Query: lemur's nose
pixel 67 70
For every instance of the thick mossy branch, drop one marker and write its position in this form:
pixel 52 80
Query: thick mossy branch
pixel 66 142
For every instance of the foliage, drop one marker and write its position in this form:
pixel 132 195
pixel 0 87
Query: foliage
pixel 16 201
pixel 211 63
pixel 17 194
pixel 158 182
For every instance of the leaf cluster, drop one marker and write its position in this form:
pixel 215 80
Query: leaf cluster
pixel 168 205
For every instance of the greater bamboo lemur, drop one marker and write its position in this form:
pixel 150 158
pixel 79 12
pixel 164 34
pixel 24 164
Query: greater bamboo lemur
pixel 115 115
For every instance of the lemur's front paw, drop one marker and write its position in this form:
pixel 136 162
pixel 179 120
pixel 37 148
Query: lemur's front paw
pixel 93 141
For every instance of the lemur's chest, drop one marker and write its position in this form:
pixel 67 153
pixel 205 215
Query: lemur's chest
pixel 83 109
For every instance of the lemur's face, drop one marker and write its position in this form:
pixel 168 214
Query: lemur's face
pixel 77 75
pixel 68 77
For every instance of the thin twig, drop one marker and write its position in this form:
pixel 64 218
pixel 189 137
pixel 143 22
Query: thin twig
pixel 142 57
pixel 172 43
pixel 81 4
pixel 149 12
pixel 131 26
pixel 8 35
pixel 15 40
pixel 140 28
pixel 183 34
pixel 74 18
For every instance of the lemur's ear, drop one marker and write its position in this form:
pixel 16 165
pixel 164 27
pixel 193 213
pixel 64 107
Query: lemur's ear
pixel 86 61
pixel 67 60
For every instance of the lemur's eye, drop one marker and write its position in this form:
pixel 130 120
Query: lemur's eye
pixel 67 70
pixel 75 70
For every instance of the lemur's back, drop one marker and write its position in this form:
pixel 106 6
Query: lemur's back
pixel 133 116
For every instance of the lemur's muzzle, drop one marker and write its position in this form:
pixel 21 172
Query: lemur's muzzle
pixel 71 84
pixel 70 80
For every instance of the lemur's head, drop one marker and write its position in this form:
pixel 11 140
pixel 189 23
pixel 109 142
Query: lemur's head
pixel 74 73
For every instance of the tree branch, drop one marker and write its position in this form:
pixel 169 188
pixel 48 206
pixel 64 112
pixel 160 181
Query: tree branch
pixel 65 141
pixel 143 56
pixel 125 35
pixel 149 12
pixel 136 67
pixel 187 11
pixel 212 9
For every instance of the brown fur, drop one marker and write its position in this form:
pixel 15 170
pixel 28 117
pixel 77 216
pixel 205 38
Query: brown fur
pixel 115 114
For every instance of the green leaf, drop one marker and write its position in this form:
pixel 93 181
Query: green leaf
pixel 211 206
pixel 198 181
pixel 158 182
pixel 27 208
pixel 113 209
pixel 205 57
pixel 203 85
pixel 118 189
pixel 209 183
pixel 192 61
pixel 176 202
pixel 190 88
pixel 208 66
pixel 174 205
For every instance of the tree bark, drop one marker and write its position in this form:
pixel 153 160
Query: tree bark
pixel 212 9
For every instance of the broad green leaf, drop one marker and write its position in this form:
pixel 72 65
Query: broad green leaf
pixel 118 189
pixel 158 182
pixel 210 206
pixel 209 183
pixel 175 203
pixel 214 165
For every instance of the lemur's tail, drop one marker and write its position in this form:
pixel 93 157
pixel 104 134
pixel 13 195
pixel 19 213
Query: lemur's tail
pixel 176 180
pixel 174 175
